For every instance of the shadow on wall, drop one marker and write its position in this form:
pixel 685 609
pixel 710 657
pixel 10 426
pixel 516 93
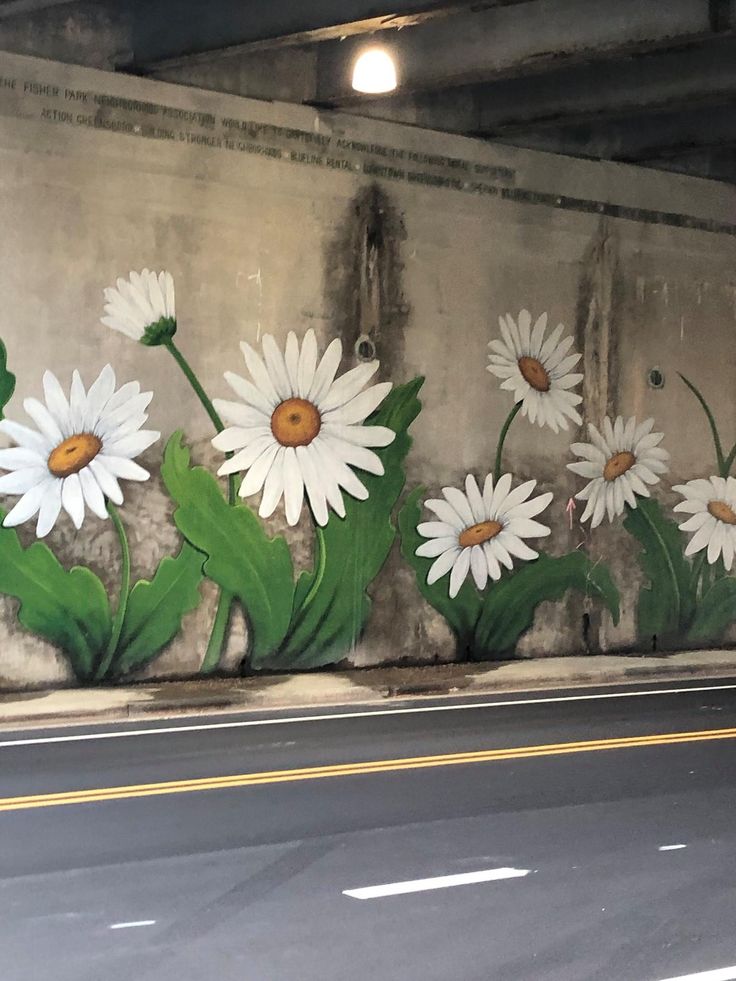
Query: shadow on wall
pixel 295 431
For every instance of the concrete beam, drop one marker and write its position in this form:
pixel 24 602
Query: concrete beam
pixel 227 29
pixel 647 136
pixel 700 75
pixel 534 37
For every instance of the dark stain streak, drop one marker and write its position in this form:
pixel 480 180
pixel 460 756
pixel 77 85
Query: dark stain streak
pixel 363 290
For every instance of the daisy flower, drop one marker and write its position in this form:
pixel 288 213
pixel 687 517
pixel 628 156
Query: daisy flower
pixel 620 462
pixel 83 445
pixel 479 533
pixel 142 307
pixel 536 370
pixel 712 505
pixel 298 428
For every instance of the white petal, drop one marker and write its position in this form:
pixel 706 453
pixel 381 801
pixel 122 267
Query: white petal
pixel 108 484
pixel 241 415
pixel 260 374
pixel 516 496
pixel 500 493
pixel 50 508
pixel 537 336
pixel 326 371
pixel 132 445
pixel 358 408
pixel 436 546
pixel 355 456
pixel 29 504
pixel 313 485
pixel 248 456
pixel 273 487
pixel 27 438
pixel 361 435
pixel 459 572
pixel 479 566
pixel 442 565
pixel 18 457
pixel 497 555
pixel 446 513
pixel 291 360
pixel 72 499
pixel 98 396
pixel 460 503
pixel 93 495
pixel 20 481
pixel 475 500
pixel 236 438
pixel 701 538
pixel 526 528
pixel 56 402
pixel 122 467
pixel 258 471
pixel 436 529
pixel 338 471
pixel 293 486
pixel 347 386
pixel 44 420
pixel 515 546
pixel 276 367
pixel 251 395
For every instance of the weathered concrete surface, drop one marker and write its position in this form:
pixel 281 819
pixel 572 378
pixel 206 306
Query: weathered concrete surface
pixel 260 242
pixel 370 686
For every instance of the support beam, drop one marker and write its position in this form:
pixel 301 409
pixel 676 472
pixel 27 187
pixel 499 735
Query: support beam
pixel 534 37
pixel 636 138
pixel 229 29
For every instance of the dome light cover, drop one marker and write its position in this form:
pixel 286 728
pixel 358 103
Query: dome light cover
pixel 374 72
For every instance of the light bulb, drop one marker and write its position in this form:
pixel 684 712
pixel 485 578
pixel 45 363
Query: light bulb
pixel 374 71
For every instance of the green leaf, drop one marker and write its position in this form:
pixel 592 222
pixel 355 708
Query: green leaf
pixel 715 613
pixel 460 613
pixel 509 604
pixel 241 558
pixel 667 602
pixel 7 380
pixel 156 608
pixel 332 606
pixel 69 608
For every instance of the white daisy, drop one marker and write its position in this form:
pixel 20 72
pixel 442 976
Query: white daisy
pixel 537 371
pixel 479 533
pixel 300 428
pixel 82 446
pixel 142 306
pixel 712 504
pixel 620 463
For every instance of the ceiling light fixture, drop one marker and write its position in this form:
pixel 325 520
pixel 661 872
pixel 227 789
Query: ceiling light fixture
pixel 374 72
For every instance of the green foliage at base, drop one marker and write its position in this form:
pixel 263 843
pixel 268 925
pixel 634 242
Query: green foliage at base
pixel 239 555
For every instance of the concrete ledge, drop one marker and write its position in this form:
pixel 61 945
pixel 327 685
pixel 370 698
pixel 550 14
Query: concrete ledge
pixel 168 699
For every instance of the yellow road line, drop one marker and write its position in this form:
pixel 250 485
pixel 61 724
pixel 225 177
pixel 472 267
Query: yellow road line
pixel 354 769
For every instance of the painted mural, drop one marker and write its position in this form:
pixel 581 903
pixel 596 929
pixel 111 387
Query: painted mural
pixel 330 449
pixel 483 533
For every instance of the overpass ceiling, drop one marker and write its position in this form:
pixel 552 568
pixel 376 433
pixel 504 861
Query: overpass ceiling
pixel 651 82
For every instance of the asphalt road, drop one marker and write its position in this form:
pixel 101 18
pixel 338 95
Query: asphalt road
pixel 250 879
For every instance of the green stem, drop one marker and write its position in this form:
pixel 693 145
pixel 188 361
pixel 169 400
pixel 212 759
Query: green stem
pixel 713 428
pixel 195 383
pixel 728 462
pixel 117 623
pixel 216 643
pixel 502 439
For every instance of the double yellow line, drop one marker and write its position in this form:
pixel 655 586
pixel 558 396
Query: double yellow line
pixel 354 769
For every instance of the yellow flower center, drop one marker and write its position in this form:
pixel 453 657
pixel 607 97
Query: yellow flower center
pixel 534 373
pixel 295 422
pixel 73 454
pixel 618 465
pixel 477 534
pixel 722 511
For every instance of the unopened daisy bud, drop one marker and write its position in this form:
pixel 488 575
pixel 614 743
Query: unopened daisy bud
pixel 142 307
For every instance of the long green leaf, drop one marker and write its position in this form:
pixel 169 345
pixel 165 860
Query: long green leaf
pixel 156 608
pixel 462 612
pixel 715 613
pixel 241 558
pixel 332 605
pixel 667 601
pixel 509 605
pixel 69 608
pixel 7 380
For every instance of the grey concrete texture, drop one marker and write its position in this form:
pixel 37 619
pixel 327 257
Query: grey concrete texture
pixel 370 686
pixel 261 245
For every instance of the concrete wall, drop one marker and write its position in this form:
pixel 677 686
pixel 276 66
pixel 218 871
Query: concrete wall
pixel 274 218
